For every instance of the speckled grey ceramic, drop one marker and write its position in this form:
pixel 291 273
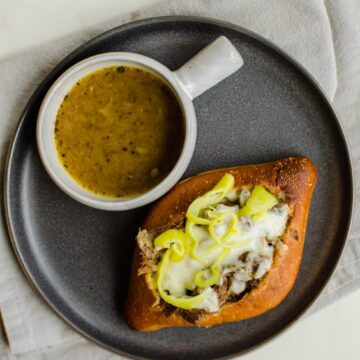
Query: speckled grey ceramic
pixel 79 258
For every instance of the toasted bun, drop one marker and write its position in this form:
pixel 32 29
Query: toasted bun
pixel 295 176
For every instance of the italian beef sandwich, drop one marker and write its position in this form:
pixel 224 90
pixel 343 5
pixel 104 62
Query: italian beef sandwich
pixel 222 246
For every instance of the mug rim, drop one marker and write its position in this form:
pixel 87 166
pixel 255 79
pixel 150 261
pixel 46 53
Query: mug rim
pixel 86 197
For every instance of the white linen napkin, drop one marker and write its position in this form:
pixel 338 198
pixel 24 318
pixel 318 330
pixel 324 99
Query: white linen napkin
pixel 322 35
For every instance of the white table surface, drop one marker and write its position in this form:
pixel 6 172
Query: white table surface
pixel 331 333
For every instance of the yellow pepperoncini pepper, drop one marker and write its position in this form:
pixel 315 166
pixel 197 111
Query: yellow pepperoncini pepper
pixel 259 202
pixel 212 197
pixel 192 234
pixel 232 229
pixel 178 241
pixel 184 302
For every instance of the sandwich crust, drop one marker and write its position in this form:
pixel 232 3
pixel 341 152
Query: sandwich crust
pixel 294 176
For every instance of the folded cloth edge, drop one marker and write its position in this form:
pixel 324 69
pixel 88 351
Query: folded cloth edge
pixel 206 8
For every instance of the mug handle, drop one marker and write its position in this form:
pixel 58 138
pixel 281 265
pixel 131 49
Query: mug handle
pixel 211 65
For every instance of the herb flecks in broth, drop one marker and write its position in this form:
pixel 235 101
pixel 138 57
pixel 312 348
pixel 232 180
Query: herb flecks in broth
pixel 119 131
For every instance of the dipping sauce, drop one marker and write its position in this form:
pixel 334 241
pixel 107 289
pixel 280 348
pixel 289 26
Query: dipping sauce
pixel 119 131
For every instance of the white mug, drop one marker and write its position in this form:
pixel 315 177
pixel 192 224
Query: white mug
pixel 211 65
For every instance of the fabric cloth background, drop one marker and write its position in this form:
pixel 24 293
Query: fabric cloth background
pixel 323 35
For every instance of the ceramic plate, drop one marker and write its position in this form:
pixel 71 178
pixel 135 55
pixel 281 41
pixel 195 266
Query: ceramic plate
pixel 79 258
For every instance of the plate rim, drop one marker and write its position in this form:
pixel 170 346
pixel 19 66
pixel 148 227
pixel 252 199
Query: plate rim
pixel 6 203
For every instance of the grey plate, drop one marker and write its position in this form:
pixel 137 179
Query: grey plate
pixel 79 258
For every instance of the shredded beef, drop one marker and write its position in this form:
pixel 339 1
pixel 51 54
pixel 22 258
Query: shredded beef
pixel 223 291
pixel 145 242
pixel 255 267
pixel 189 315
pixel 243 256
pixel 237 297
pixel 192 316
pixel 252 284
pixel 168 309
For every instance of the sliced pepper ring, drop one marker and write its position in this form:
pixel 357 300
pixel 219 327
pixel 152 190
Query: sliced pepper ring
pixel 259 202
pixel 177 240
pixel 212 197
pixel 190 232
pixel 185 302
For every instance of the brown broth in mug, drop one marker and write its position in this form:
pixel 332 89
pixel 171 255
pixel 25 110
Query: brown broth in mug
pixel 119 131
